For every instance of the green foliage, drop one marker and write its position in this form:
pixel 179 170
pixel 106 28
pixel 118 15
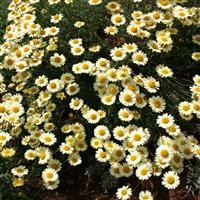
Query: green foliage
pixel 3 17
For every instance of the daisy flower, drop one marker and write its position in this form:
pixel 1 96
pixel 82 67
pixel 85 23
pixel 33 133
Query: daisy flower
pixel 51 185
pixel 115 170
pixel 19 171
pixel 113 6
pixel 196 151
pixel 72 89
pixel 102 64
pixel 4 138
pixel 180 12
pixel 127 98
pixel 154 46
pixel 67 78
pixel 125 114
pixel 17 182
pixel 112 75
pixel 75 42
pixel 117 54
pixel 151 85
pixel 120 133
pixel 196 79
pixel 48 139
pixel 95 48
pixel 66 148
pixel 139 136
pixel 164 4
pixel 54 85
pixel 56 18
pixel 57 60
pixel 140 100
pixel 111 30
pixel 124 193
pixel 118 19
pixel 196 39
pixel 170 180
pixel 74 159
pixel 102 156
pixel 130 47
pixel 76 103
pixel 185 108
pixel 133 30
pixel 164 152
pixel 173 130
pixel 157 104
pixel 30 154
pixel 49 174
pixel 195 105
pixel 41 81
pixel 108 99
pixel 79 24
pixel 126 170
pixel 139 58
pixel 96 143
pixel 92 116
pixel 144 171
pixel 102 132
pixel 7 152
pixel 117 153
pixel 164 71
pixel 94 2
pixel 77 50
pixel 43 154
pixel 165 120
pixel 134 158
pixel 145 195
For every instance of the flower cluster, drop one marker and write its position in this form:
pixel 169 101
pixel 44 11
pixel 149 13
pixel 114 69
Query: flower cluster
pixel 100 79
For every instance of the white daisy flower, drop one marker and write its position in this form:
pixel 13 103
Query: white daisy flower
pixel 134 158
pixel 41 81
pixel 76 104
pixel 145 195
pixel 185 108
pixel 72 89
pixel 120 133
pixel 102 156
pixel 127 97
pixel 66 148
pixel 118 19
pixel 117 54
pixel 139 58
pixel 144 171
pixel 125 114
pixel 48 139
pixel 170 180
pixel 151 85
pixel 55 85
pixel 19 171
pixel 164 152
pixel 102 132
pixel 57 60
pixel 157 104
pixel 49 174
pixel 4 138
pixel 139 136
pixel 74 159
pixel 165 120
pixel 124 193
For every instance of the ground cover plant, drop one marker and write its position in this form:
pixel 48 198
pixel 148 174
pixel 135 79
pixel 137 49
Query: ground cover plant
pixel 110 89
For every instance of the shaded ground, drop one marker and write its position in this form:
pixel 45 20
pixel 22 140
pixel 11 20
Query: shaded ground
pixel 78 186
